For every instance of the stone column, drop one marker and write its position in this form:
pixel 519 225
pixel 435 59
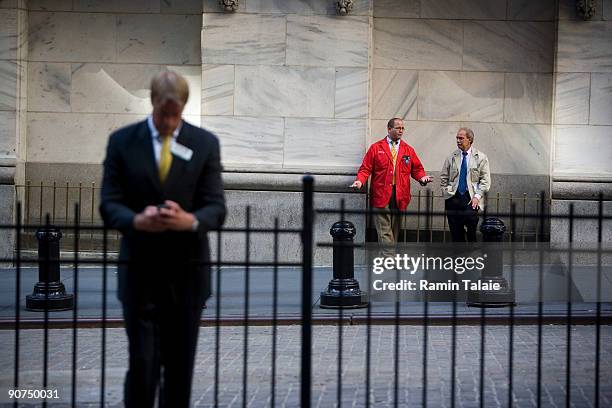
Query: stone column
pixel 13 68
pixel 582 121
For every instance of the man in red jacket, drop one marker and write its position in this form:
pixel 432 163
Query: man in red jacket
pixel 391 162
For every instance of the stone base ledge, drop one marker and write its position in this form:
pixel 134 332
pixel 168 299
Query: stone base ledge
pixel 573 188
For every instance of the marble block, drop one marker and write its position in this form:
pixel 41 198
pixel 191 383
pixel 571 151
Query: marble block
pixel 328 41
pixel 459 10
pixel 125 88
pixel 248 141
pixel 351 98
pixel 72 137
pixel 394 94
pixel 582 151
pixel 522 149
pixel 326 143
pixel 284 91
pixel 541 10
pixel 421 44
pixel 461 96
pixel 83 37
pixel 243 39
pixel 8 85
pixel 117 6
pixel 508 46
pixel 8 34
pixel 159 38
pixel 601 99
pixel 8 121
pixel 49 85
pixel 217 89
pixel 46 5
pixel 397 8
pixel 572 99
pixel 513 149
pixel 182 6
pixel 584 47
pixel 528 98
pixel 303 7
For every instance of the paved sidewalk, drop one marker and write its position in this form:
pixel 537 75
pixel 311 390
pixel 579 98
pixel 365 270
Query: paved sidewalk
pixel 325 363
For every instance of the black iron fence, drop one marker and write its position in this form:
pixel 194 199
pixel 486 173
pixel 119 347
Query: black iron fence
pixel 387 369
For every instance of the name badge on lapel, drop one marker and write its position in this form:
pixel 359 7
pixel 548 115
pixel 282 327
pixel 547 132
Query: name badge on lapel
pixel 181 151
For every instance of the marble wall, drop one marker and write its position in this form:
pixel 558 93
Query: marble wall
pixel 90 64
pixel 285 85
pixel 443 64
pixel 582 148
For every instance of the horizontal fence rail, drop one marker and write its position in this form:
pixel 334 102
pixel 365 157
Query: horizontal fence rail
pixel 266 341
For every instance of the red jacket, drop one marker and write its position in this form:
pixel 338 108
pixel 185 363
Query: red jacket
pixel 379 164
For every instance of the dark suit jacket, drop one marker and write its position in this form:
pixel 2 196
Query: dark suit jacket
pixel 168 264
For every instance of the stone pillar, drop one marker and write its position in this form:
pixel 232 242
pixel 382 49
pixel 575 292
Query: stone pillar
pixel 582 121
pixel 13 57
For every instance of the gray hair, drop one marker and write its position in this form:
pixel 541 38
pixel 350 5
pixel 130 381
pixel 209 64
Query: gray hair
pixel 469 133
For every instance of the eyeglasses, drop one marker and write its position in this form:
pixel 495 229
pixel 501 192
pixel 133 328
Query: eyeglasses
pixel 399 128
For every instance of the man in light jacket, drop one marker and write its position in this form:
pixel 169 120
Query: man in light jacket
pixel 464 179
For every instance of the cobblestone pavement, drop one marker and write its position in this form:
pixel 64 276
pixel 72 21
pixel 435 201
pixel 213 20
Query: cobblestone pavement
pixel 325 366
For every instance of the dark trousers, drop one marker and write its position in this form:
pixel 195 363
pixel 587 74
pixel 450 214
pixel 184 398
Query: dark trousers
pixel 162 343
pixel 462 218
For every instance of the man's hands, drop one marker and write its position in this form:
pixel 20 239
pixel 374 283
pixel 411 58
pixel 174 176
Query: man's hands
pixel 168 217
pixel 474 203
pixel 425 180
pixel 356 184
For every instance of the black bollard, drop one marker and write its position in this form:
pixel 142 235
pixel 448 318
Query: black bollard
pixel 343 290
pixel 492 230
pixel 49 293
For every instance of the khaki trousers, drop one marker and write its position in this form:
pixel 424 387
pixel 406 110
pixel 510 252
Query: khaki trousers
pixel 388 225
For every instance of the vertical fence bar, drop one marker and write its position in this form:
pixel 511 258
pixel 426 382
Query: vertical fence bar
pixel 47 262
pixel 429 209
pixel 511 323
pixel 598 312
pixel 80 200
pixel 104 305
pixel 568 364
pixel 247 278
pixel 307 247
pixel 497 205
pixel 274 315
pixel 540 308
pixel 524 217
pixel 418 228
pixel 27 201
pixel 483 334
pixel 368 335
pixel 539 219
pixel 91 221
pixel 396 342
pixel 217 321
pixel 340 331
pixel 53 206
pixel 17 299
pixel 510 206
pixel 66 204
pixel 40 205
pixel 77 220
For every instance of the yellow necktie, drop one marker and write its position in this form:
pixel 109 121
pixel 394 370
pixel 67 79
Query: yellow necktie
pixel 394 156
pixel 165 158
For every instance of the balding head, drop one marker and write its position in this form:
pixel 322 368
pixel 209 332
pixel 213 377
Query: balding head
pixel 169 86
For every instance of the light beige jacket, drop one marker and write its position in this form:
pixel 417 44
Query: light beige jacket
pixel 479 175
